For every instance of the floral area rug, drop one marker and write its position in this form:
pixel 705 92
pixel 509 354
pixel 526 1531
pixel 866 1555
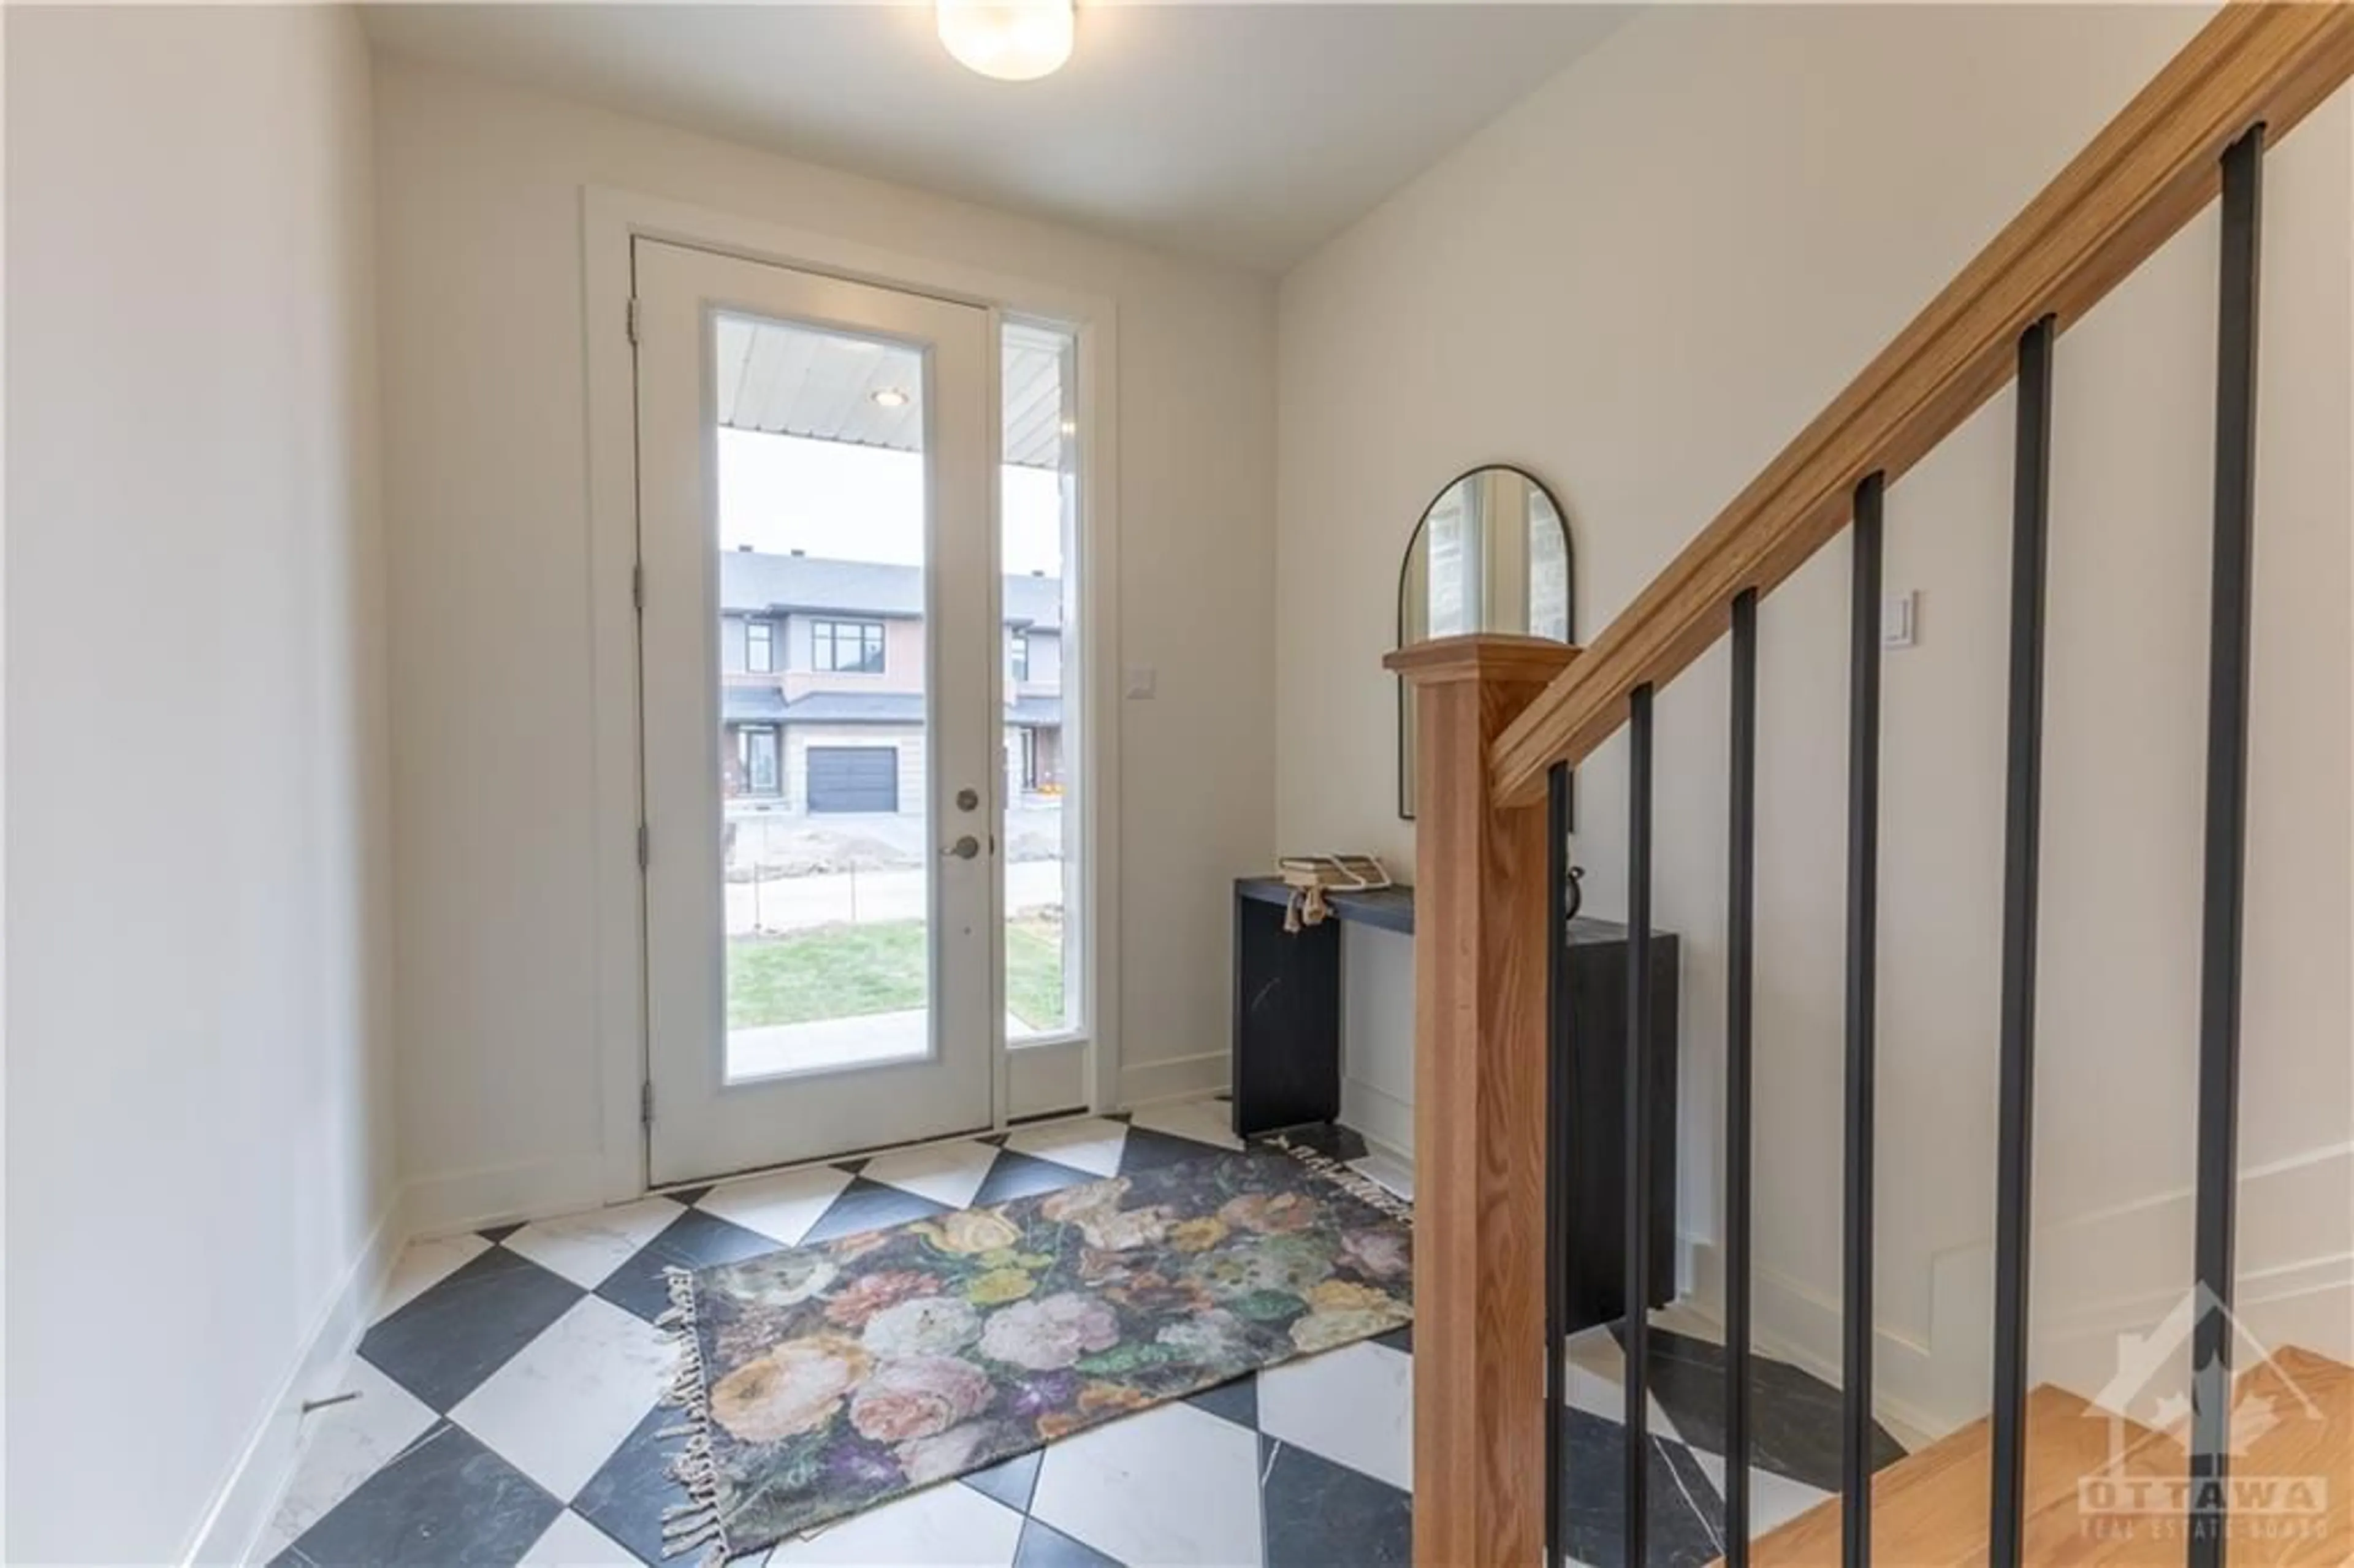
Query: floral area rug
pixel 825 1379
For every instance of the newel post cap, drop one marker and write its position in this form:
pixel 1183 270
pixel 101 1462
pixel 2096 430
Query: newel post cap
pixel 1500 658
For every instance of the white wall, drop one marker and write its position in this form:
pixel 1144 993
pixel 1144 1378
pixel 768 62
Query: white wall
pixel 1640 282
pixel 199 1129
pixel 485 491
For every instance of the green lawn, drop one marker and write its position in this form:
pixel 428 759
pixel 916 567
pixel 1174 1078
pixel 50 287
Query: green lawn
pixel 846 971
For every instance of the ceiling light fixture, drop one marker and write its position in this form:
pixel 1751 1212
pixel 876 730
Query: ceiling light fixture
pixel 889 397
pixel 1012 40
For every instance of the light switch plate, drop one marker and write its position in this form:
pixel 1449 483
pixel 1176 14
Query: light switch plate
pixel 1143 681
pixel 1898 619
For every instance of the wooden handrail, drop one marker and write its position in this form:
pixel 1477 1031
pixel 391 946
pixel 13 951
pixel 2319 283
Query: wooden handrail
pixel 2148 173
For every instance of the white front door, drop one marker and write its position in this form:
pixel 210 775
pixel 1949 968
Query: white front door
pixel 820 656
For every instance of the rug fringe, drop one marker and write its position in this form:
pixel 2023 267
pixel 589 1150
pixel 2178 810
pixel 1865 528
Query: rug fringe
pixel 1356 1183
pixel 696 1522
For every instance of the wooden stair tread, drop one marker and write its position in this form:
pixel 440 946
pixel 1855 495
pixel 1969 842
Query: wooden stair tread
pixel 1929 1509
pixel 2311 1435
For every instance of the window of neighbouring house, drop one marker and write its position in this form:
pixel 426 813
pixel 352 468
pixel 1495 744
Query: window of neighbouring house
pixel 846 647
pixel 760 646
pixel 1021 656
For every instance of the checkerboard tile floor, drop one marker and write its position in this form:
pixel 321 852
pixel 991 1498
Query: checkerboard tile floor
pixel 508 1388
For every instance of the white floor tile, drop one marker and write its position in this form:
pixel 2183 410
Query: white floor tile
pixel 946 1173
pixel 424 1264
pixel 940 1527
pixel 586 1248
pixel 560 1409
pixel 1354 1406
pixel 573 1543
pixel 1168 1486
pixel 1088 1144
pixel 343 1445
pixel 1204 1121
pixel 1596 1380
pixel 782 1207
pixel 1774 1500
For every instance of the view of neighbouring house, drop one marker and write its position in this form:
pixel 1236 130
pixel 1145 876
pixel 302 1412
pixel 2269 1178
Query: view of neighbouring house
pixel 822 668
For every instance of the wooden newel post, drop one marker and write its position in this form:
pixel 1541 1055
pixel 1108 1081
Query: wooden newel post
pixel 1480 1112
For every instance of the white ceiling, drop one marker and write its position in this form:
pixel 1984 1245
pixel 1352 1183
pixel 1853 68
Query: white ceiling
pixel 1249 133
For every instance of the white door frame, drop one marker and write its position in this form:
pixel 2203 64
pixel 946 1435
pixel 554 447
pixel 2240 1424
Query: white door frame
pixel 708 1122
pixel 1081 1071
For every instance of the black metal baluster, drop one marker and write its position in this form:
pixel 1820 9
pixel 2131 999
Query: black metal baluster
pixel 1638 1275
pixel 1740 903
pixel 2022 816
pixel 1862 950
pixel 2227 834
pixel 1556 1155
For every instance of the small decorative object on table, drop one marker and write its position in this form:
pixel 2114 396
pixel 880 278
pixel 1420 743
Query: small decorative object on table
pixel 1310 876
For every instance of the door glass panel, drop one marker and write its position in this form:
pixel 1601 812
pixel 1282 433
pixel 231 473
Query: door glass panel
pixel 1038 503
pixel 822 698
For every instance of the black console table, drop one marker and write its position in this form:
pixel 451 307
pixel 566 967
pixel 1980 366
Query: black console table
pixel 1287 1063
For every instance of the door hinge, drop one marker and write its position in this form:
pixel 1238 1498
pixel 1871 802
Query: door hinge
pixel 632 321
pixel 642 855
pixel 646 1103
pixel 638 587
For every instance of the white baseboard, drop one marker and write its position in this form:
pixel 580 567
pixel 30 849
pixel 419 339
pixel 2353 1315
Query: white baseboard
pixel 1385 1120
pixel 1178 1078
pixel 241 1508
pixel 1791 1322
pixel 2097 1278
pixel 502 1195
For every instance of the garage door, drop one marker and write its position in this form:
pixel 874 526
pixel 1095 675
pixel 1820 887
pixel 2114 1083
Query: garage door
pixel 853 779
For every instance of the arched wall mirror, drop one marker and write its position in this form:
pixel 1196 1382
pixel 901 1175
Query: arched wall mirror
pixel 1490 554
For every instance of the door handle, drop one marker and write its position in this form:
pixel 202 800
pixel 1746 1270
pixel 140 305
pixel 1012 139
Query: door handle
pixel 965 848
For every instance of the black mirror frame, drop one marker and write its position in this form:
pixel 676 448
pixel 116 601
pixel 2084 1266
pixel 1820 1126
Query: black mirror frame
pixel 1569 567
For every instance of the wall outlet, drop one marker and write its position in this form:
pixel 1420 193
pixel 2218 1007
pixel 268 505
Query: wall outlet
pixel 1899 618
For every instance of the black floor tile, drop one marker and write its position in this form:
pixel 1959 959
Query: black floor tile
pixel 1399 1340
pixel 1012 1482
pixel 693 1240
pixel 442 1345
pixel 445 1502
pixel 1146 1150
pixel 1236 1401
pixel 1317 1514
pixel 1025 1176
pixel 1681 1507
pixel 866 1205
pixel 1043 1548
pixel 497 1234
pixel 1794 1416
pixel 626 1497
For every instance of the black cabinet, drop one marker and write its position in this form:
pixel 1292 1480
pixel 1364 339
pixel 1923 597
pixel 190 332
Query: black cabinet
pixel 1287 1066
